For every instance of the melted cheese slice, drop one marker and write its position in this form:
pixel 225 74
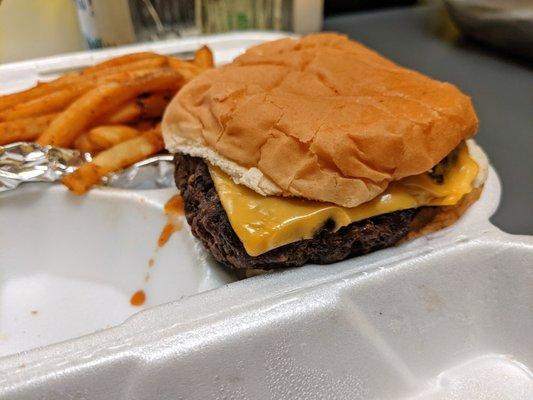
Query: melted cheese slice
pixel 263 223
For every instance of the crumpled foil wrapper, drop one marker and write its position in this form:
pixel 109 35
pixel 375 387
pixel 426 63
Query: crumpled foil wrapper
pixel 29 162
pixel 156 172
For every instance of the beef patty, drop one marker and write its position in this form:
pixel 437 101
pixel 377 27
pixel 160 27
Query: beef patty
pixel 210 224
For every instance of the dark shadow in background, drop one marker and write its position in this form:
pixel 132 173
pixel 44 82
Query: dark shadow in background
pixel 336 7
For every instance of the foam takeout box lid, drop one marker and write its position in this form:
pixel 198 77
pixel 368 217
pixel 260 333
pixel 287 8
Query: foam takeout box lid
pixel 445 316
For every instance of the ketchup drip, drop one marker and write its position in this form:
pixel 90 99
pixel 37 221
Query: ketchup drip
pixel 138 298
pixel 173 210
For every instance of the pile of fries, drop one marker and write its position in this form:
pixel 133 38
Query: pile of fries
pixel 111 110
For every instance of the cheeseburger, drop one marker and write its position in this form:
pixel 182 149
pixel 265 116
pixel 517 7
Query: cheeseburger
pixel 319 149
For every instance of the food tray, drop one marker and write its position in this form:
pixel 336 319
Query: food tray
pixel 448 315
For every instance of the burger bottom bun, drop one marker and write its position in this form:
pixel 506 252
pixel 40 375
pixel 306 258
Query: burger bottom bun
pixel 432 219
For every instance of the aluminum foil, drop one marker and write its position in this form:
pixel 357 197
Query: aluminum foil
pixel 29 162
pixel 153 173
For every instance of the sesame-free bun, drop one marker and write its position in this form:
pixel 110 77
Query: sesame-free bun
pixel 322 117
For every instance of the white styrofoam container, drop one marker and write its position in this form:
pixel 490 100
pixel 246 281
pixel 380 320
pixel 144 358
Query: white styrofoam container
pixel 446 316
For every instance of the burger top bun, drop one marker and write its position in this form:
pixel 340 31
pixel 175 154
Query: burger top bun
pixel 322 117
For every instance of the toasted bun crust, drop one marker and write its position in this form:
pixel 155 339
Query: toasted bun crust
pixel 322 117
pixel 432 219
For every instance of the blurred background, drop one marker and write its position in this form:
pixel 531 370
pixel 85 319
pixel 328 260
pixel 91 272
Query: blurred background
pixel 37 28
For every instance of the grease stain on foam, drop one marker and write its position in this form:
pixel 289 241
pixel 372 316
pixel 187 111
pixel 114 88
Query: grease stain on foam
pixel 432 300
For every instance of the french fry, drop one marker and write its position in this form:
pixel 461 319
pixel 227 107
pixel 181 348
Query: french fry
pixel 107 136
pixel 89 76
pixel 203 58
pixel 24 130
pixel 145 124
pixel 126 113
pixel 89 110
pixel 129 152
pixel 119 73
pixel 78 116
pixel 47 104
pixel 104 137
pixel 187 69
pixel 83 113
pixel 114 73
pixel 121 60
pixel 113 159
pixel 81 180
pixel 64 93
pixel 145 106
pixel 153 105
pixel 84 144
pixel 41 89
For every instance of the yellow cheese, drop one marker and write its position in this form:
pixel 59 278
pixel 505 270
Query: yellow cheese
pixel 263 223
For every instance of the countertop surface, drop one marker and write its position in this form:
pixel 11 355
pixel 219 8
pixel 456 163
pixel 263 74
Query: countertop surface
pixel 501 89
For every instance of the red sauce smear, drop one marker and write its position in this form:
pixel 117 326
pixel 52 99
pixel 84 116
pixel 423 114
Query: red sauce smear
pixel 34 312
pixel 173 210
pixel 151 262
pixel 174 206
pixel 166 233
pixel 138 298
